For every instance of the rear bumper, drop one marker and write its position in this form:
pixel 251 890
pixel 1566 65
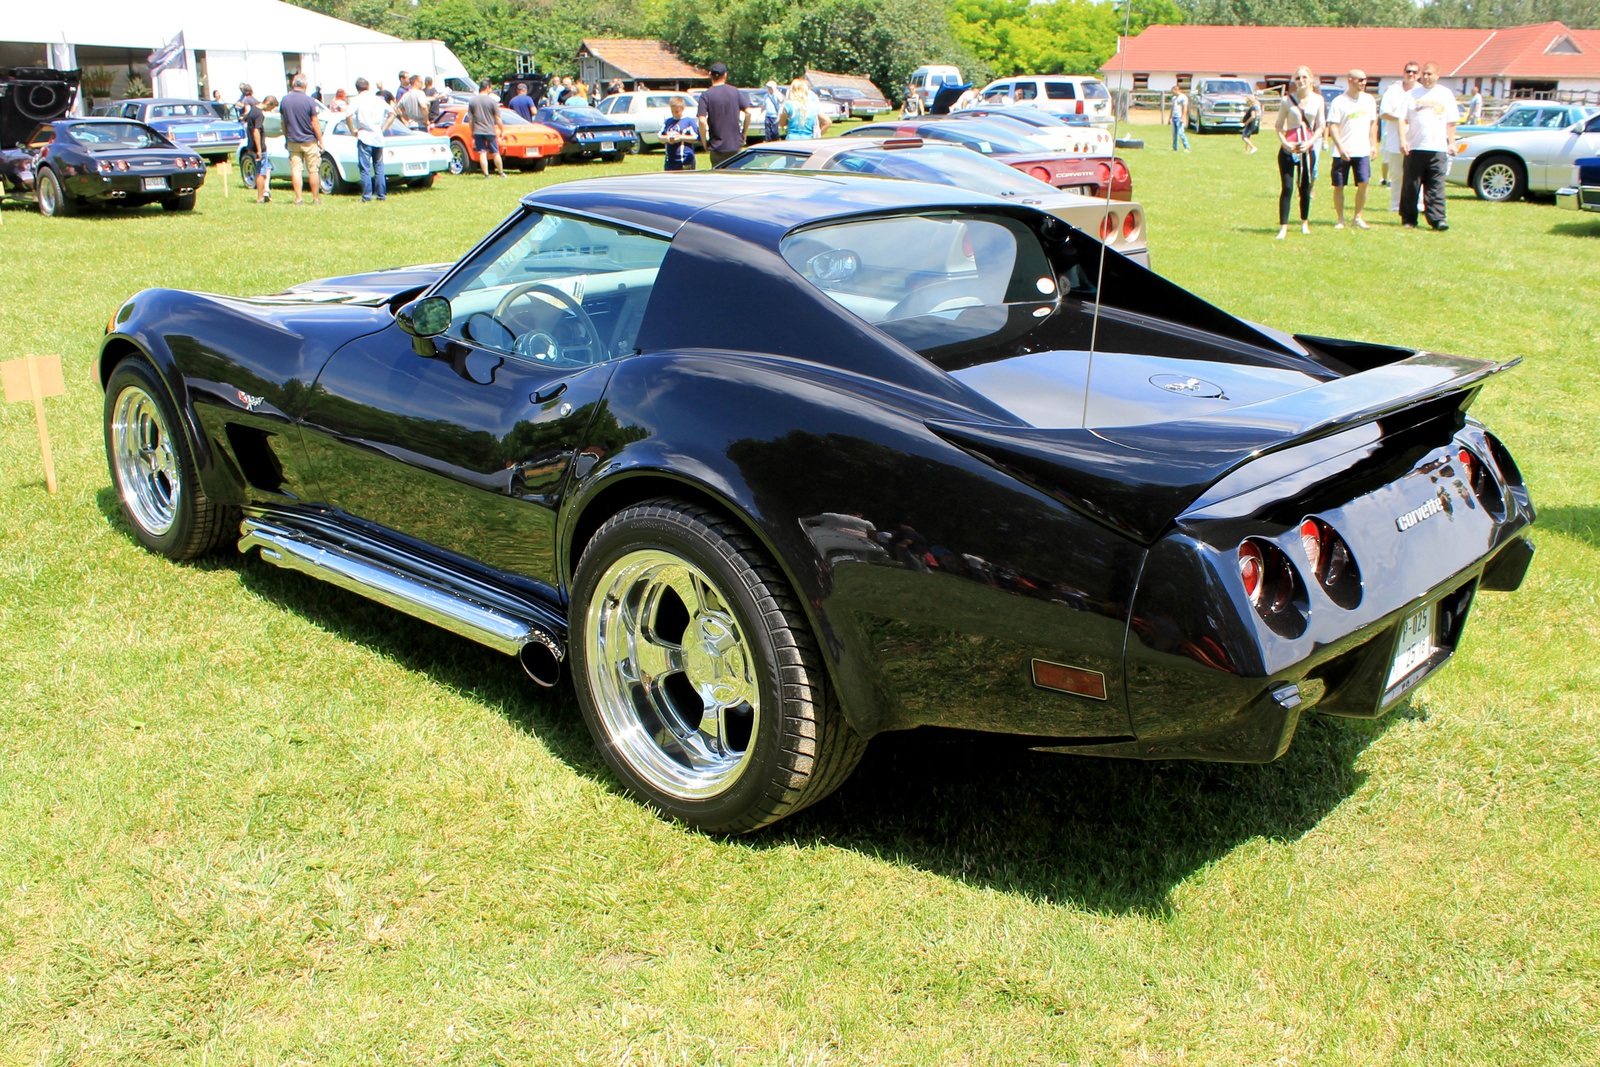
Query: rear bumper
pixel 1579 198
pixel 131 186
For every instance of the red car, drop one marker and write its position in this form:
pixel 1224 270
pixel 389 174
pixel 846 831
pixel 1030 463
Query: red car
pixel 1091 177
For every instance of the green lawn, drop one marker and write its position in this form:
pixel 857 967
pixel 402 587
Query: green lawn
pixel 248 818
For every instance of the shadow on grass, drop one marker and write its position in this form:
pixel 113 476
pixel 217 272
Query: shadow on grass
pixel 1106 835
pixel 1113 836
pixel 1588 227
pixel 1578 523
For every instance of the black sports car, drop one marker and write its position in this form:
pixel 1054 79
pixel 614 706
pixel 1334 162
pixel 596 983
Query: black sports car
pixel 780 462
pixel 191 124
pixel 587 133
pixel 70 163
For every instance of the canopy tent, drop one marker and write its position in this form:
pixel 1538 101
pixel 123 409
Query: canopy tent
pixel 259 42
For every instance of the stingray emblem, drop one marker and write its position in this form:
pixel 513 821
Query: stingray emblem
pixel 251 402
pixel 1185 386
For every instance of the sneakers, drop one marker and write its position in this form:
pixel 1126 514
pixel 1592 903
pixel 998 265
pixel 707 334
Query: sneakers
pixel 1361 224
pixel 1443 226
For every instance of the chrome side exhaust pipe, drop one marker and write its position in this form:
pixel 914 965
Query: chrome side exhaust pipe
pixel 541 657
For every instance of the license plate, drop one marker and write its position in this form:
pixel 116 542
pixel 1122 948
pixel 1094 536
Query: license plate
pixel 209 136
pixel 151 184
pixel 607 146
pixel 420 167
pixel 1417 643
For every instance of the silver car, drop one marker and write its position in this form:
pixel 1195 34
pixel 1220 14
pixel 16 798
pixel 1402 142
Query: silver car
pixel 1507 166
pixel 1218 103
pixel 1120 224
pixel 646 111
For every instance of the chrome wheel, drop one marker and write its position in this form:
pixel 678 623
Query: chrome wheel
pixel 1497 181
pixel 672 673
pixel 147 468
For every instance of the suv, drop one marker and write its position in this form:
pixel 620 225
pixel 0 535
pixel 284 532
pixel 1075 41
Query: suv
pixel 1218 103
pixel 927 81
pixel 1059 94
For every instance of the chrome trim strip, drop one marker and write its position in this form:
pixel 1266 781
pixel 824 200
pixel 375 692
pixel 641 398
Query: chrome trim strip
pixel 405 584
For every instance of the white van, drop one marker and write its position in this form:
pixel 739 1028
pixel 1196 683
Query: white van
pixel 1059 94
pixel 927 81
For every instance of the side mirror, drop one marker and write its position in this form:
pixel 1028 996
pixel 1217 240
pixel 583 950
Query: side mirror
pixel 427 317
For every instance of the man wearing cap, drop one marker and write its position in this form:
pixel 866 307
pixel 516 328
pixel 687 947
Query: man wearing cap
pixel 771 108
pixel 723 116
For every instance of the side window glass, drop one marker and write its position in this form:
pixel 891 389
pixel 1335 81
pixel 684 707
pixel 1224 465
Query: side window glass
pixel 1518 118
pixel 42 137
pixel 1594 125
pixel 1059 91
pixel 561 291
pixel 1027 91
pixel 130 111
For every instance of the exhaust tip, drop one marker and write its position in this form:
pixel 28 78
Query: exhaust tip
pixel 541 657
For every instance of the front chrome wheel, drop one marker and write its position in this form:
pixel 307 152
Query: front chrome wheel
pixel 672 673
pixel 147 468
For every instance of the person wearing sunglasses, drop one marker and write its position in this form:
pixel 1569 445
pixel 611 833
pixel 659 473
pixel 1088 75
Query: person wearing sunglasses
pixel 1301 117
pixel 1428 137
pixel 1391 110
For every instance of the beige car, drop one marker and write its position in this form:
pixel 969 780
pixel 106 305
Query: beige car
pixel 1119 223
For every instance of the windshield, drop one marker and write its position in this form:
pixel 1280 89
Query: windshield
pixel 941 166
pixel 575 116
pixel 169 111
pixel 511 118
pixel 930 281
pixel 551 288
pixel 116 136
pixel 1226 87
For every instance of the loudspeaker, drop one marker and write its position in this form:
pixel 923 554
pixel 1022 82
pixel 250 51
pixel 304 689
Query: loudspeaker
pixel 31 95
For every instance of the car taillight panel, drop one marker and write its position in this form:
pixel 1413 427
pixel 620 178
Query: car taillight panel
pixel 1132 224
pixel 1480 479
pixel 1120 172
pixel 1108 226
pixel 1332 564
pixel 1041 173
pixel 1273 586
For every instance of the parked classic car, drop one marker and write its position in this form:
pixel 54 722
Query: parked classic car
pixel 1011 146
pixel 191 124
pixel 1218 104
pixel 782 462
pixel 1507 166
pixel 69 164
pixel 645 111
pixel 528 144
pixel 409 156
pixel 1584 192
pixel 1121 226
pixel 585 133
pixel 1533 115
pixel 857 103
pixel 1048 131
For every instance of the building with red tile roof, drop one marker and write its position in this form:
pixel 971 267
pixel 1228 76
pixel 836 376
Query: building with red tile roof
pixel 640 64
pixel 1546 59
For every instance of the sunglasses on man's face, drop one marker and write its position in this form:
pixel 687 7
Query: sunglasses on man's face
pixel 1413 73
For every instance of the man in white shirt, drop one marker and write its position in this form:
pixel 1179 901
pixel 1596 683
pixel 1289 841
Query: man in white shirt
pixel 1353 132
pixel 1428 137
pixel 1396 99
pixel 370 116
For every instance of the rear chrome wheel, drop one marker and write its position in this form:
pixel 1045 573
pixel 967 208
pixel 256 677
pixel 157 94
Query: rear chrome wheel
pixel 152 468
pixel 1499 179
pixel 697 673
pixel 54 201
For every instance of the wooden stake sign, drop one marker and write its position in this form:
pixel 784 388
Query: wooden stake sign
pixel 224 170
pixel 34 378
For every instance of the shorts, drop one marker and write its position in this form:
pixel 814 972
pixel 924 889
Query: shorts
pixel 486 143
pixel 1342 167
pixel 1251 128
pixel 263 164
pixel 306 153
pixel 680 164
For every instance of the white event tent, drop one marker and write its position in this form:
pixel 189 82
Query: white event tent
pixel 259 42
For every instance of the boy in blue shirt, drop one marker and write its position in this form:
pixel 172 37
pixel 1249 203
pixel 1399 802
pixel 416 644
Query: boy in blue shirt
pixel 680 134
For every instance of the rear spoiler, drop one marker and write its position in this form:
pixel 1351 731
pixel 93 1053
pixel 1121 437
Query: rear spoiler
pixel 1138 479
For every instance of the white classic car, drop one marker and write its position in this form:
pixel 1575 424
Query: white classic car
pixel 408 155
pixel 1506 166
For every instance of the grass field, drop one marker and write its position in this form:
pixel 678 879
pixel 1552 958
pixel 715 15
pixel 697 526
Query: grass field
pixel 246 818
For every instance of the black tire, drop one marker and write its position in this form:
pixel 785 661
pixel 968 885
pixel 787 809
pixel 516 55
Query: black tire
pixel 181 202
pixel 247 170
pixel 424 182
pixel 329 180
pixel 460 162
pixel 152 468
pixel 537 165
pixel 614 157
pixel 745 635
pixel 54 200
pixel 1500 179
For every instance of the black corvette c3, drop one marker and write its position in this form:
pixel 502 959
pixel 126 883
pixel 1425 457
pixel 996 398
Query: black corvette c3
pixel 71 163
pixel 781 462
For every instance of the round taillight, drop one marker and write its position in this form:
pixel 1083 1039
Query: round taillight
pixel 1108 226
pixel 1120 172
pixel 1467 461
pixel 1132 223
pixel 1104 170
pixel 1476 474
pixel 1251 570
pixel 1041 173
pixel 1311 541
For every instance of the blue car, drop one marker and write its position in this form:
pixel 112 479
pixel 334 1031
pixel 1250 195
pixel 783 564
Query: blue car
pixel 191 124
pixel 586 133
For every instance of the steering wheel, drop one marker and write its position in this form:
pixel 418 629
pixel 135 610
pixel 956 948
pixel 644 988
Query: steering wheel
pixel 551 351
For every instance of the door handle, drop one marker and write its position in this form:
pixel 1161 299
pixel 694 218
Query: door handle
pixel 546 395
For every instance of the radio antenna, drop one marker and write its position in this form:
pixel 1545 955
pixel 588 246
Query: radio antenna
pixel 1111 173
